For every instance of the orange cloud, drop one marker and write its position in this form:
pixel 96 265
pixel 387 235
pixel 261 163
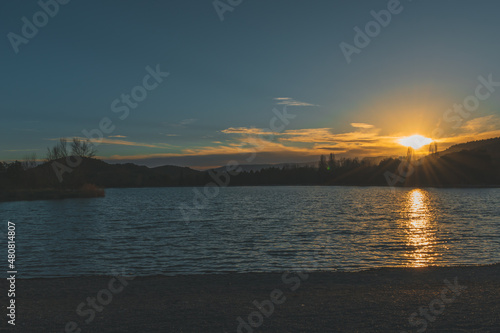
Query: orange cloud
pixel 248 131
pixel 361 125
pixel 479 128
pixel 364 140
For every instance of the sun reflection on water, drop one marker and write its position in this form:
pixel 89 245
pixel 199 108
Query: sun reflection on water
pixel 420 233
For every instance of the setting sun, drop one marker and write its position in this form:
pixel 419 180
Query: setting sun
pixel 415 141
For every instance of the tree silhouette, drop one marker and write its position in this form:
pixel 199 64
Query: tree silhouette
pixel 331 162
pixel 60 150
pixel 323 166
pixel 79 147
pixel 82 148
pixel 29 161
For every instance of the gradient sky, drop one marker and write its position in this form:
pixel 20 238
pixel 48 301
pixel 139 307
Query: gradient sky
pixel 226 77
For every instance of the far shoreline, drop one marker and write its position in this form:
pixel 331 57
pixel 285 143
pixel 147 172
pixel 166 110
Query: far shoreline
pixel 63 194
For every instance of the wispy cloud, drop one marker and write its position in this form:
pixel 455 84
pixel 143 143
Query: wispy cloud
pixel 131 143
pixel 17 150
pixel 168 134
pixel 364 139
pixel 288 101
pixel 107 141
pixel 26 129
pixel 187 121
pixel 361 125
pixel 183 123
pixel 247 130
pixel 307 143
pixel 482 125
pixel 479 128
pixel 117 136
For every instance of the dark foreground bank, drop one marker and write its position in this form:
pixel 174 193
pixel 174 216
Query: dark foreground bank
pixel 461 299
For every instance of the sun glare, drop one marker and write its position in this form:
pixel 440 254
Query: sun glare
pixel 415 141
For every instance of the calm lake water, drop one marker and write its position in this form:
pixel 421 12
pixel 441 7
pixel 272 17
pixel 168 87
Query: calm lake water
pixel 242 229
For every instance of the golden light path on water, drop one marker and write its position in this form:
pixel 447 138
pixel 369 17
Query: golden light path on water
pixel 420 229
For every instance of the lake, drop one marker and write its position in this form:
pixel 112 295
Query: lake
pixel 254 229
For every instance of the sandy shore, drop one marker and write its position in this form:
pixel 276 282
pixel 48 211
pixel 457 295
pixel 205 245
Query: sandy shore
pixel 381 300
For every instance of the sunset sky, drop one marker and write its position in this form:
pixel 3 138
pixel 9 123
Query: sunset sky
pixel 231 81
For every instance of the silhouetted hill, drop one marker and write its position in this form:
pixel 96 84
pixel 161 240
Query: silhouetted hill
pixel 99 173
pixel 491 146
pixel 459 168
pixel 130 175
pixel 258 167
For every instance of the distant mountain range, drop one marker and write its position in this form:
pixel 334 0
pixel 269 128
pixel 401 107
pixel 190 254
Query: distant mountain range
pixel 312 164
pixel 258 167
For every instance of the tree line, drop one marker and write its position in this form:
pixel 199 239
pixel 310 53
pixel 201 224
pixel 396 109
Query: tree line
pixel 463 168
pixel 15 174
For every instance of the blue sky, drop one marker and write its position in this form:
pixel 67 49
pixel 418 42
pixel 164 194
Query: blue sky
pixel 226 77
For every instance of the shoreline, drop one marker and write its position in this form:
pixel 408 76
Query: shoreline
pixel 375 300
pixel 53 194
pixel 322 185
pixel 236 273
